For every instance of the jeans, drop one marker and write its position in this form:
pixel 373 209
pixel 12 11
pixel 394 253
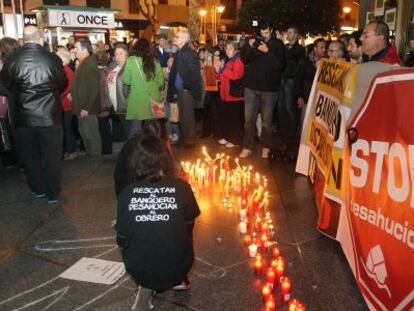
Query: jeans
pixel 134 126
pixel 255 101
pixel 68 134
pixel 287 111
pixel 42 152
pixel 172 128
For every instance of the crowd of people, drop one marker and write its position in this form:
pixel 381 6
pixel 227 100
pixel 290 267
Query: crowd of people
pixel 84 96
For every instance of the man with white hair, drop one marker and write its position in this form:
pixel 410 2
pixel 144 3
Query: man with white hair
pixel 37 77
pixel 185 85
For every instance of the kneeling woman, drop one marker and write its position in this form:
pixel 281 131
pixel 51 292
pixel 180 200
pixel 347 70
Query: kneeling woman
pixel 155 219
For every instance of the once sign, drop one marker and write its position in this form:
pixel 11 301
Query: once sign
pixel 67 18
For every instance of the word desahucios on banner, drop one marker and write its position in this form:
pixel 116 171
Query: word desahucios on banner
pixel 357 148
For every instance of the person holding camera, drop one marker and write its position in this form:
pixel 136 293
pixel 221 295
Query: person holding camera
pixel 263 56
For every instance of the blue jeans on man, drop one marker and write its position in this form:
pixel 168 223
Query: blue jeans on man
pixel 255 102
pixel 287 111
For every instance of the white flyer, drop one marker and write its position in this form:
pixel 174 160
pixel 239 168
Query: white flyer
pixel 95 271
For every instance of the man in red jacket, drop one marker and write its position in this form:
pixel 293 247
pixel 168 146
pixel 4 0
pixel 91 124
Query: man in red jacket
pixel 376 45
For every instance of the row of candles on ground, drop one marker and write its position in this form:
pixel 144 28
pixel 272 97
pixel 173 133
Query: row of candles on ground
pixel 203 174
pixel 262 232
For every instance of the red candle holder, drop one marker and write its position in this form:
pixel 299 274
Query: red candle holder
pixel 266 293
pixel 258 267
pixel 279 271
pixel 247 240
pixel 293 304
pixel 270 304
pixel 270 278
pixel 276 253
pixel 285 288
pixel 256 206
pixel 265 228
pixel 264 242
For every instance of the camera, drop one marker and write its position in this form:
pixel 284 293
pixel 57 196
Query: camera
pixel 259 39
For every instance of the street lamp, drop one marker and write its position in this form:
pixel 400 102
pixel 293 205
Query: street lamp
pixel 202 13
pixel 216 9
pixel 346 10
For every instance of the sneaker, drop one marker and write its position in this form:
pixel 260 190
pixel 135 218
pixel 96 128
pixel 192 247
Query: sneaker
pixel 245 153
pixel 70 156
pixel 39 195
pixel 52 201
pixel 185 285
pixel 265 153
pixel 174 138
pixel 223 141
pixel 230 145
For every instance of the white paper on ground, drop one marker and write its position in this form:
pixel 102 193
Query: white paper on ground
pixel 95 271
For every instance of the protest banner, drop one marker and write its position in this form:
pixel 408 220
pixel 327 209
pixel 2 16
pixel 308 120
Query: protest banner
pixel 357 148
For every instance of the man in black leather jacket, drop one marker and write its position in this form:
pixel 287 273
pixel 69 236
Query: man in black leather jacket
pixel 185 83
pixel 37 77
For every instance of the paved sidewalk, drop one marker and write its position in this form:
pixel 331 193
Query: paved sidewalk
pixel 38 242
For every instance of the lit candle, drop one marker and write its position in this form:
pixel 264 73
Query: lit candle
pixel 293 304
pixel 286 285
pixel 243 227
pixel 300 307
pixel 258 225
pixel 247 240
pixel 263 242
pixel 243 214
pixel 214 174
pixel 266 293
pixel 270 304
pixel 252 250
pixel 258 267
pixel 275 253
pixel 265 228
pixel 280 270
pixel 256 206
pixel 270 278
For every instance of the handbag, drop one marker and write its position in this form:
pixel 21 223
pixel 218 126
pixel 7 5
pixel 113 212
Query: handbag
pixel 236 88
pixel 157 109
pixel 174 113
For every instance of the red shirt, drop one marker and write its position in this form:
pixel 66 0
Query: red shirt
pixel 66 103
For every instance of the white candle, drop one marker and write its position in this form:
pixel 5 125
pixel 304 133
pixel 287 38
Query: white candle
pixel 243 214
pixel 243 227
pixel 252 250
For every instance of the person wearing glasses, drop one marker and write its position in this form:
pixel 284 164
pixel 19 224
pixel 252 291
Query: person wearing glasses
pixel 337 51
pixel 376 44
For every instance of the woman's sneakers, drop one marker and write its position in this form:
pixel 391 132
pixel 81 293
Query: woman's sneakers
pixel 245 153
pixel 184 285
